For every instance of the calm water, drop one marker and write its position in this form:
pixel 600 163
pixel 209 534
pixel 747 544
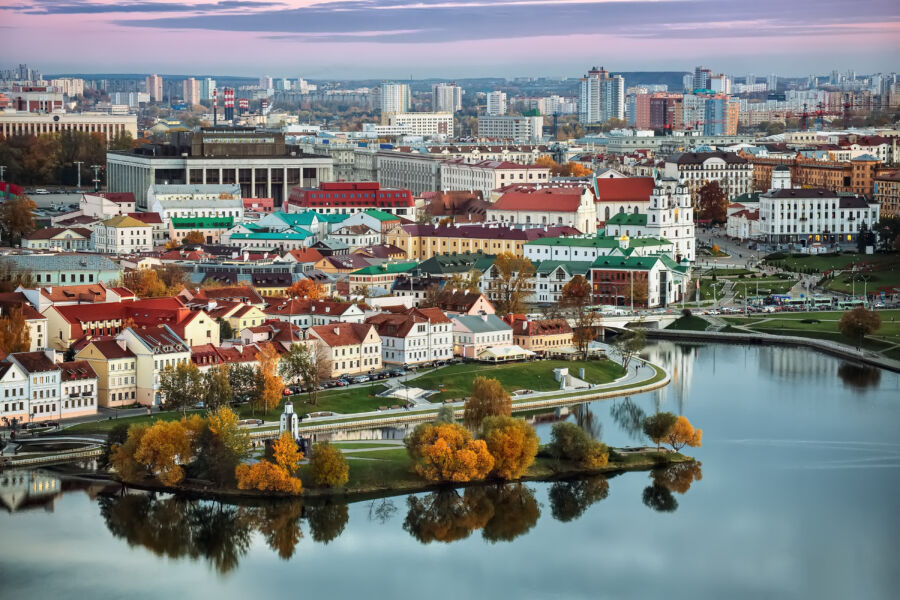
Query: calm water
pixel 798 499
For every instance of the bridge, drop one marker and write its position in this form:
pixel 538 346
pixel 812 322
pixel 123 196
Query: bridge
pixel 649 320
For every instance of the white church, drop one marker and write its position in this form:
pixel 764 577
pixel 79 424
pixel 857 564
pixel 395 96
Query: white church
pixel 669 216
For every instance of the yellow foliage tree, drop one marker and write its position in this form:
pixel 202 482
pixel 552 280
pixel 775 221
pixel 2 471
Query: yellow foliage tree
pixel 121 456
pixel 266 477
pixel 194 237
pixel 447 452
pixel 683 434
pixel 512 443
pixel 329 467
pixel 488 399
pixel 287 454
pixel 224 424
pixel 306 288
pixel 577 169
pixel 269 385
pixel 193 427
pixel 162 447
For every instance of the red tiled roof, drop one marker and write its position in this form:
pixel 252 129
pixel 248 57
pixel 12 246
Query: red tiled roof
pixel 11 300
pixel 48 232
pixel 146 217
pixel 35 362
pixel 543 199
pixel 89 292
pixel 341 334
pixel 111 349
pixel 306 255
pixel 77 369
pixel 117 197
pixel 488 232
pixel 624 189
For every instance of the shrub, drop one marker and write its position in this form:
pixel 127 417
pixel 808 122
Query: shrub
pixel 329 467
pixel 512 443
pixel 447 452
pixel 686 313
pixel 570 442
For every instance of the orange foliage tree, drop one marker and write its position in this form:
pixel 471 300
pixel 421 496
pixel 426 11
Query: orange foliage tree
pixel 162 447
pixel 194 237
pixel 14 336
pixel 512 443
pixel 329 467
pixel 683 434
pixel 267 477
pixel 306 288
pixel 121 456
pixel 269 386
pixel 286 453
pixel 447 452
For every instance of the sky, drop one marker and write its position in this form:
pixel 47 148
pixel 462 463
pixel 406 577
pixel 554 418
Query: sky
pixel 330 39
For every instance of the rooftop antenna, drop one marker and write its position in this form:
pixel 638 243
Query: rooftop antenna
pixel 96 179
pixel 78 164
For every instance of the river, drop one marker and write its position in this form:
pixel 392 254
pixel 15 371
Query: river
pixel 797 497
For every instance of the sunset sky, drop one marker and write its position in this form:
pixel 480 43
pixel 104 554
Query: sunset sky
pixel 450 38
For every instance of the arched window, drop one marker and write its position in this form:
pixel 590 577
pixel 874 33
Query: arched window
pixel 635 210
pixel 621 210
pixel 606 214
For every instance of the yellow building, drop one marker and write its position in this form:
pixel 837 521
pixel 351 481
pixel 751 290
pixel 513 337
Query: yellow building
pixel 350 348
pixel 421 242
pixel 546 336
pixel 238 315
pixel 115 366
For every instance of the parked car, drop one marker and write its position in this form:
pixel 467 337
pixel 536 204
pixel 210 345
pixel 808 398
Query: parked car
pixel 397 373
pixel 361 379
pixel 41 191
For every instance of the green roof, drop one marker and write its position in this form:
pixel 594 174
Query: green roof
pixel 292 219
pixel 575 267
pixel 381 215
pixel 202 222
pixel 638 263
pixel 599 241
pixel 386 268
pixel 751 197
pixel 627 219
pixel 460 262
pixel 636 242
pixel 331 218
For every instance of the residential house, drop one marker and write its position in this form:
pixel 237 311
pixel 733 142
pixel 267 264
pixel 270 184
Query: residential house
pixel 59 238
pixel 542 336
pixel 639 281
pixel 44 297
pixel 421 242
pixel 154 351
pixel 159 230
pixel 43 383
pixel 122 235
pixel 79 388
pixel 351 348
pixel 56 269
pixel 414 336
pixel 210 228
pixel 542 206
pixel 116 369
pixel 472 334
pixel 203 296
pixel 551 276
pixel 14 396
pixel 355 236
pixel 380 276
pixel 464 302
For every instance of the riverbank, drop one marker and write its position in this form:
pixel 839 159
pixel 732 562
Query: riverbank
pixel 391 475
pixel 828 347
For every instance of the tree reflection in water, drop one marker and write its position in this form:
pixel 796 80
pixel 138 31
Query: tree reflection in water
pixel 569 499
pixel 629 416
pixel 502 512
pixel 859 376
pixel 327 522
pixel 674 478
pixel 587 421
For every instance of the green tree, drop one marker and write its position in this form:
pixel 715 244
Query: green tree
pixel 629 344
pixel 488 399
pixel 243 380
pixel 658 427
pixel 307 363
pixel 217 388
pixel 225 330
pixel 570 442
pixel 181 386
pixel 856 324
pixel 576 296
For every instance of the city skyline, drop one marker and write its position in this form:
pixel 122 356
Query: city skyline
pixel 452 38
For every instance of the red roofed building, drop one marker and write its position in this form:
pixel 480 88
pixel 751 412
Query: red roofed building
pixel 58 238
pixel 544 336
pixel 414 336
pixel 538 205
pixel 350 198
pixel 350 348
pixel 201 297
pixel 615 195
pixel 78 390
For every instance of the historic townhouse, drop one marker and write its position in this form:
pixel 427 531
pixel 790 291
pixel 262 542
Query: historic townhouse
pixel 414 336
pixel 350 348
pixel 116 369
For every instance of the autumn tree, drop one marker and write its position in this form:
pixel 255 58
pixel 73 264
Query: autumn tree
pixel 306 288
pixel 14 334
pixel 224 424
pixel 162 447
pixel 217 388
pixel 488 399
pixel 577 169
pixel 512 280
pixel 242 378
pixel 658 427
pixel 629 344
pixel 194 237
pixel 307 363
pixel 448 453
pixel 328 465
pixel 286 453
pixel 267 477
pixel 856 324
pixel 513 444
pixel 683 434
pixel 470 282
pixel 121 456
pixel 11 279
pixel 145 283
pixel 327 521
pixel 576 296
pixel 570 442
pixel 17 218
pixel 712 204
pixel 181 386
pixel 269 386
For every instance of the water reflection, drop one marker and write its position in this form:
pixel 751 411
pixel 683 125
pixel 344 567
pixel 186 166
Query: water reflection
pixel 569 499
pixel 503 513
pixel 327 522
pixel 859 377
pixel 629 417
pixel 587 421
pixel 674 478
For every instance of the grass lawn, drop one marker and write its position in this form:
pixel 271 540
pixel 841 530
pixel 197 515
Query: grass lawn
pixel 823 262
pixel 455 381
pixel 107 425
pixel 766 286
pixel 893 353
pixel 392 469
pixel 360 445
pixel 727 272
pixel 350 400
pixel 692 323
pixel 889 278
pixel 706 289
pixel 386 454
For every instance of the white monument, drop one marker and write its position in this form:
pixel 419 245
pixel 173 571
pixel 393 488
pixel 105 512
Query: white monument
pixel 290 421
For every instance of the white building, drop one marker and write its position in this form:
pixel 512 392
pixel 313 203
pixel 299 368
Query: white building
pixel 190 91
pixel 694 169
pixel 27 123
pixel 496 104
pixel 122 235
pixel 154 87
pixel 590 247
pixel 601 97
pixel 446 97
pixel 423 123
pixel 526 129
pixel 355 236
pixel 210 200
pixel 474 333
pixel 813 215
pixel 670 217
pixel 154 350
pixel 103 205
pixel 394 97
pixel 414 336
pixel 543 206
pixel 487 175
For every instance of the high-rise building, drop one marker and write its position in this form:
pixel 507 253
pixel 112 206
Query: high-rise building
pixel 602 97
pixel 190 91
pixel 701 78
pixel 687 82
pixel 721 116
pixel 496 104
pixel 446 97
pixel 394 98
pixel 266 82
pixel 154 85
pixel 720 84
pixel 207 85
pixel 772 82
